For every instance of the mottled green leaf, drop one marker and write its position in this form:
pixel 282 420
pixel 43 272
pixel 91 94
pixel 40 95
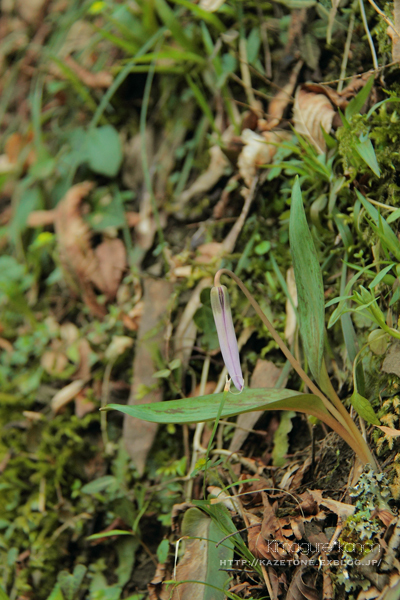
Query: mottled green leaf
pixel 202 558
pixel 310 291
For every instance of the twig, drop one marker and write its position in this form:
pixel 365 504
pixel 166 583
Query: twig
pixel 346 53
pixel 371 43
pixel 384 17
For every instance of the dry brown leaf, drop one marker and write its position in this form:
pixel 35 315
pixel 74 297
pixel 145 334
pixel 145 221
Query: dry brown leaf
pixel 83 406
pixel 30 11
pixel 216 169
pixel 395 33
pixel 74 240
pixel 278 104
pixel 299 590
pixel 221 497
pixel 391 364
pixel 41 218
pixel 84 350
pixel 132 169
pixel 265 374
pixel 208 252
pixel 258 150
pixel 101 79
pixel 111 256
pixel 211 5
pixel 290 325
pixel 66 395
pixel 310 112
pixel 55 360
pixel 339 508
pixel 139 435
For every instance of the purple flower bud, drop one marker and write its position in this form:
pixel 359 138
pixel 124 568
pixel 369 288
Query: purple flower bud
pixel 221 308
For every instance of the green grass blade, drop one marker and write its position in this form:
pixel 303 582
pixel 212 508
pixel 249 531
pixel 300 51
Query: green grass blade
pixel 309 284
pixel 202 14
pixel 168 17
pixel 356 104
pixel 381 227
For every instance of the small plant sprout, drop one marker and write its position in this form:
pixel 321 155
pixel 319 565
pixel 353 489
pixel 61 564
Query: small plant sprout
pixel 320 401
pixel 221 308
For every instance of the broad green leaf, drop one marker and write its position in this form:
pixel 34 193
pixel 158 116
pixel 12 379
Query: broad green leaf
pixel 205 408
pixel 203 558
pixel 380 276
pixel 70 584
pixel 394 216
pixel 309 284
pixel 55 594
pixel 98 485
pixel 381 227
pixel 162 551
pixel 356 104
pixel 281 441
pixel 3 595
pixel 366 151
pixel 104 150
pixel 126 550
pixel 364 408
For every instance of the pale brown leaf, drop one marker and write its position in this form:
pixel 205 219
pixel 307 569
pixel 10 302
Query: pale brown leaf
pixel 339 508
pixel 391 364
pixel 311 111
pixel 258 150
pixel 278 104
pixel 66 395
pixel 30 11
pixel 299 590
pixel 210 177
pixel 139 435
pixel 111 256
pixel 101 79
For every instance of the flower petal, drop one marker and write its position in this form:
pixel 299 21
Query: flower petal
pixel 221 308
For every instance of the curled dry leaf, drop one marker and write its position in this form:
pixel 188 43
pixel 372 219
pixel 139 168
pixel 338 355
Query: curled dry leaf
pixel 278 104
pixel 208 252
pixel 258 150
pixel 139 435
pixel 111 256
pixel 66 394
pixel 84 267
pixel 207 180
pixel 311 112
pixel 30 11
pixel 219 496
pixel 211 5
pixel 101 79
pixel 341 509
pixel 299 589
